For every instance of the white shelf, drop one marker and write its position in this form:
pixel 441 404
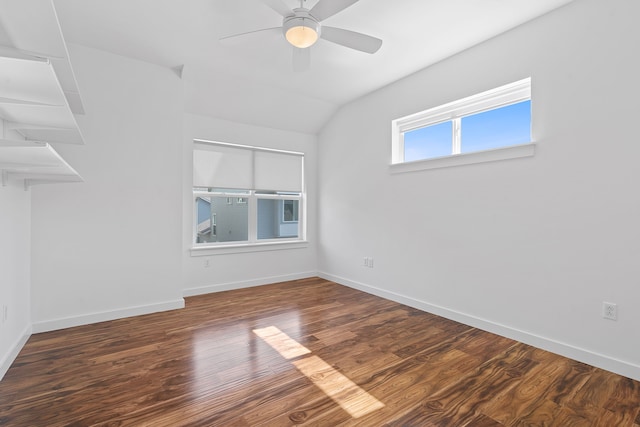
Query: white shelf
pixel 34 30
pixel 33 106
pixel 33 103
pixel 34 163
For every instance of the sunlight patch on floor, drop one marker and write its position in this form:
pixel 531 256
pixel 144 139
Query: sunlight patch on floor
pixel 353 399
pixel 341 389
pixel 281 342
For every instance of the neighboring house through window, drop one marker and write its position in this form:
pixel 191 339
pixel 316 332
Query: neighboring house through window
pixel 290 211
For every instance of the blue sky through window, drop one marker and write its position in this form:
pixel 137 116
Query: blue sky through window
pixel 500 127
pixel 428 142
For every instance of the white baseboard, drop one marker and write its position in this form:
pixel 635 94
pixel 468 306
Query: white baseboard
pixel 620 367
pixel 7 359
pixel 246 283
pixel 86 319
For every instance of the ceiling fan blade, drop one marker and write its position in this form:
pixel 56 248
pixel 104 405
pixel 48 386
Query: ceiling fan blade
pixel 273 30
pixel 357 41
pixel 301 59
pixel 279 6
pixel 326 8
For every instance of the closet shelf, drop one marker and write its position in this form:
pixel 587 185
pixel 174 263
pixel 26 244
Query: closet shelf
pixel 35 163
pixel 34 111
pixel 33 103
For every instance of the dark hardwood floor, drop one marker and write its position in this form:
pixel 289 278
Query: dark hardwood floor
pixel 306 352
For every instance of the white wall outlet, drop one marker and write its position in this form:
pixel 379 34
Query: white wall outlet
pixel 365 262
pixel 207 263
pixel 610 310
pixel 370 262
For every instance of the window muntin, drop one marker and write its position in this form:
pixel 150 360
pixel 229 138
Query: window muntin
pixel 497 118
pixel 253 216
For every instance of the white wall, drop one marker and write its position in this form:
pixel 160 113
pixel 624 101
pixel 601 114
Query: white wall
pixel 232 271
pixel 15 228
pixel 529 248
pixel 110 247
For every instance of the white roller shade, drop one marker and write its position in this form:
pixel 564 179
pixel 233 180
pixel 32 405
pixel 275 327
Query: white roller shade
pixel 278 171
pixel 222 166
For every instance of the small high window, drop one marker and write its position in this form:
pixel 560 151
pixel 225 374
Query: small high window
pixel 490 120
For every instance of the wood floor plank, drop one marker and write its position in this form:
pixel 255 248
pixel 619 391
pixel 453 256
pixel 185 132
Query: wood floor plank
pixel 452 404
pixel 483 421
pixel 205 365
pixel 534 390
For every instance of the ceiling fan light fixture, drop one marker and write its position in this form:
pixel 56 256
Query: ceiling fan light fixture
pixel 301 32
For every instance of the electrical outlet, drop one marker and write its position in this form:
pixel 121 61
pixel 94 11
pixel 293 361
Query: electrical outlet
pixel 610 310
pixel 365 262
pixel 207 263
pixel 370 262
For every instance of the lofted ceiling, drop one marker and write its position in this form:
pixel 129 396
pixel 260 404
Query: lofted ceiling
pixel 251 79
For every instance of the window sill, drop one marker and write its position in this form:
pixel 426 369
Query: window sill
pixel 503 153
pixel 239 248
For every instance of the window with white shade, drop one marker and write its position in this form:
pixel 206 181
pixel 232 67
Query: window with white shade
pixel 246 195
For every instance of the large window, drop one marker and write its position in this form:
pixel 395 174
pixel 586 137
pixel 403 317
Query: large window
pixel 246 195
pixel 491 120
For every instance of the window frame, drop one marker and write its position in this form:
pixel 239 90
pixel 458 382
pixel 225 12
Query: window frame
pixel 502 96
pixel 251 197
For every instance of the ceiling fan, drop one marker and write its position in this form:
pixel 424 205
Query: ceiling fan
pixel 302 27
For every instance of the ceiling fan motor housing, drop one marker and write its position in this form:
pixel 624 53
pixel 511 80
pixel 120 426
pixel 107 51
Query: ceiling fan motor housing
pixel 301 29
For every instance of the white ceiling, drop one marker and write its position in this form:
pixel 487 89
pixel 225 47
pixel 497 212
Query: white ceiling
pixel 251 79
